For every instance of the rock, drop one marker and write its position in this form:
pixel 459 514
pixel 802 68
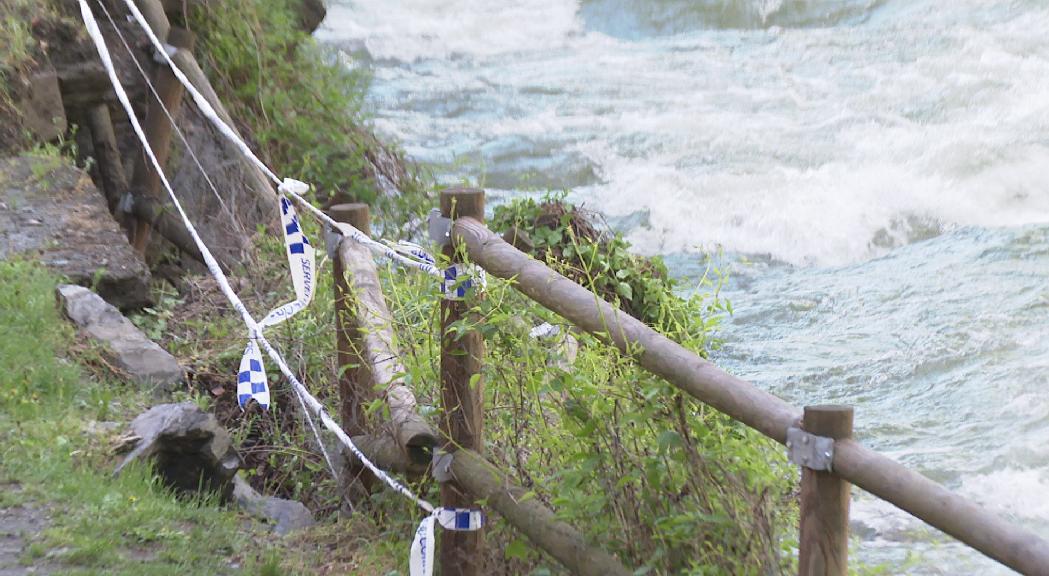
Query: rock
pixel 311 14
pixel 146 362
pixel 51 210
pixel 190 450
pixel 41 106
pixel 286 515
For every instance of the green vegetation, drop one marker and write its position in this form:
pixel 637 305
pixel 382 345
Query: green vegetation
pixel 17 47
pixel 666 483
pixel 301 101
pixel 55 455
pixel 16 42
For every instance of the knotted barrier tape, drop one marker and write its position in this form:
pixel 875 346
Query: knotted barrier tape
pixel 422 554
pixel 459 278
pixel 251 377
pixel 451 519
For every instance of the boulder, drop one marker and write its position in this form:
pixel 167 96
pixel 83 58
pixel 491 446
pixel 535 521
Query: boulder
pixel 42 111
pixel 146 362
pixel 311 13
pixel 189 449
pixel 51 210
pixel 285 515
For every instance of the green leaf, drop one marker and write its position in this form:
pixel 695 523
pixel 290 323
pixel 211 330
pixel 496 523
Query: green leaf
pixel 669 439
pixel 517 549
pixel 624 290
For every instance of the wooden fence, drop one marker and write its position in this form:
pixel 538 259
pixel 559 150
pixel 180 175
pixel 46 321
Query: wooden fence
pixel 837 460
pixel 368 354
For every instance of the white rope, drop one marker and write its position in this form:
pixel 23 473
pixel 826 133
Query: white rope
pixel 171 119
pixel 220 278
pixel 291 187
pixel 145 78
pixel 421 558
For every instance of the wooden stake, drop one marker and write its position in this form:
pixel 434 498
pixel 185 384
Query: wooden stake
pixel 107 154
pixel 354 384
pixel 462 392
pixel 824 542
pixel 145 183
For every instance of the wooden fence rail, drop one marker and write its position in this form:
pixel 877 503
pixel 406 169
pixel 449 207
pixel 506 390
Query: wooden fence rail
pixel 760 410
pixel 366 342
pixel 404 446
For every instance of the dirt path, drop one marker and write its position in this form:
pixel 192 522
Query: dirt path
pixel 18 524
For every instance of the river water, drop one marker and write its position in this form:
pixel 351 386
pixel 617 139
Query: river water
pixel 874 172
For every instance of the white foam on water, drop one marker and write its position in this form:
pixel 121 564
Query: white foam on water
pixel 410 30
pixel 824 134
pixel 1014 493
pixel 813 171
pixel 815 146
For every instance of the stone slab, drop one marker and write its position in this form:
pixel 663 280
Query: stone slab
pixel 51 211
pixel 286 516
pixel 146 362
pixel 42 110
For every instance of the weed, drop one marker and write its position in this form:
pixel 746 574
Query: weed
pixel 98 524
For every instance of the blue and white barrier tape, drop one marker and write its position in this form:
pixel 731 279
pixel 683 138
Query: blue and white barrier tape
pixel 251 378
pixel 459 278
pixel 308 400
pixel 423 550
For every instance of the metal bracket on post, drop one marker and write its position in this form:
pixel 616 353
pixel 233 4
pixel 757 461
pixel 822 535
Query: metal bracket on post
pixel 332 239
pixel 808 450
pixel 169 50
pixel 442 466
pixel 440 228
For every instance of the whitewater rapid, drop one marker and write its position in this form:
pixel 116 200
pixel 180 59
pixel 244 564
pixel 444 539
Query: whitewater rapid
pixel 874 172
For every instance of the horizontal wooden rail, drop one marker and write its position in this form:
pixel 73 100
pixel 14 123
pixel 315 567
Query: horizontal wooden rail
pixel 756 408
pixel 382 370
pixel 486 482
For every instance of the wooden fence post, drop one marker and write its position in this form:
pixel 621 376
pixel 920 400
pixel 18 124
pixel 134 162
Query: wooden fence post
pixel 107 154
pixel 354 381
pixel 824 543
pixel 145 183
pixel 353 393
pixel 462 392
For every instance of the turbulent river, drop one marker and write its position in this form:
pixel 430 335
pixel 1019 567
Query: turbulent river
pixel 875 173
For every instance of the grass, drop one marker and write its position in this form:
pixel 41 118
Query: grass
pixel 56 457
pixel 17 50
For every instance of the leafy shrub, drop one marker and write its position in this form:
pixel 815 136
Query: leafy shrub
pixel 299 101
pixel 564 237
pixel 659 479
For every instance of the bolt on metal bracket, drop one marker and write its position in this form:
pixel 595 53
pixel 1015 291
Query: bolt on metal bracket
pixel 810 451
pixel 440 227
pixel 441 469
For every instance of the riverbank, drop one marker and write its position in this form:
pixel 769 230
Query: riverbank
pixel 690 492
pixel 871 174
